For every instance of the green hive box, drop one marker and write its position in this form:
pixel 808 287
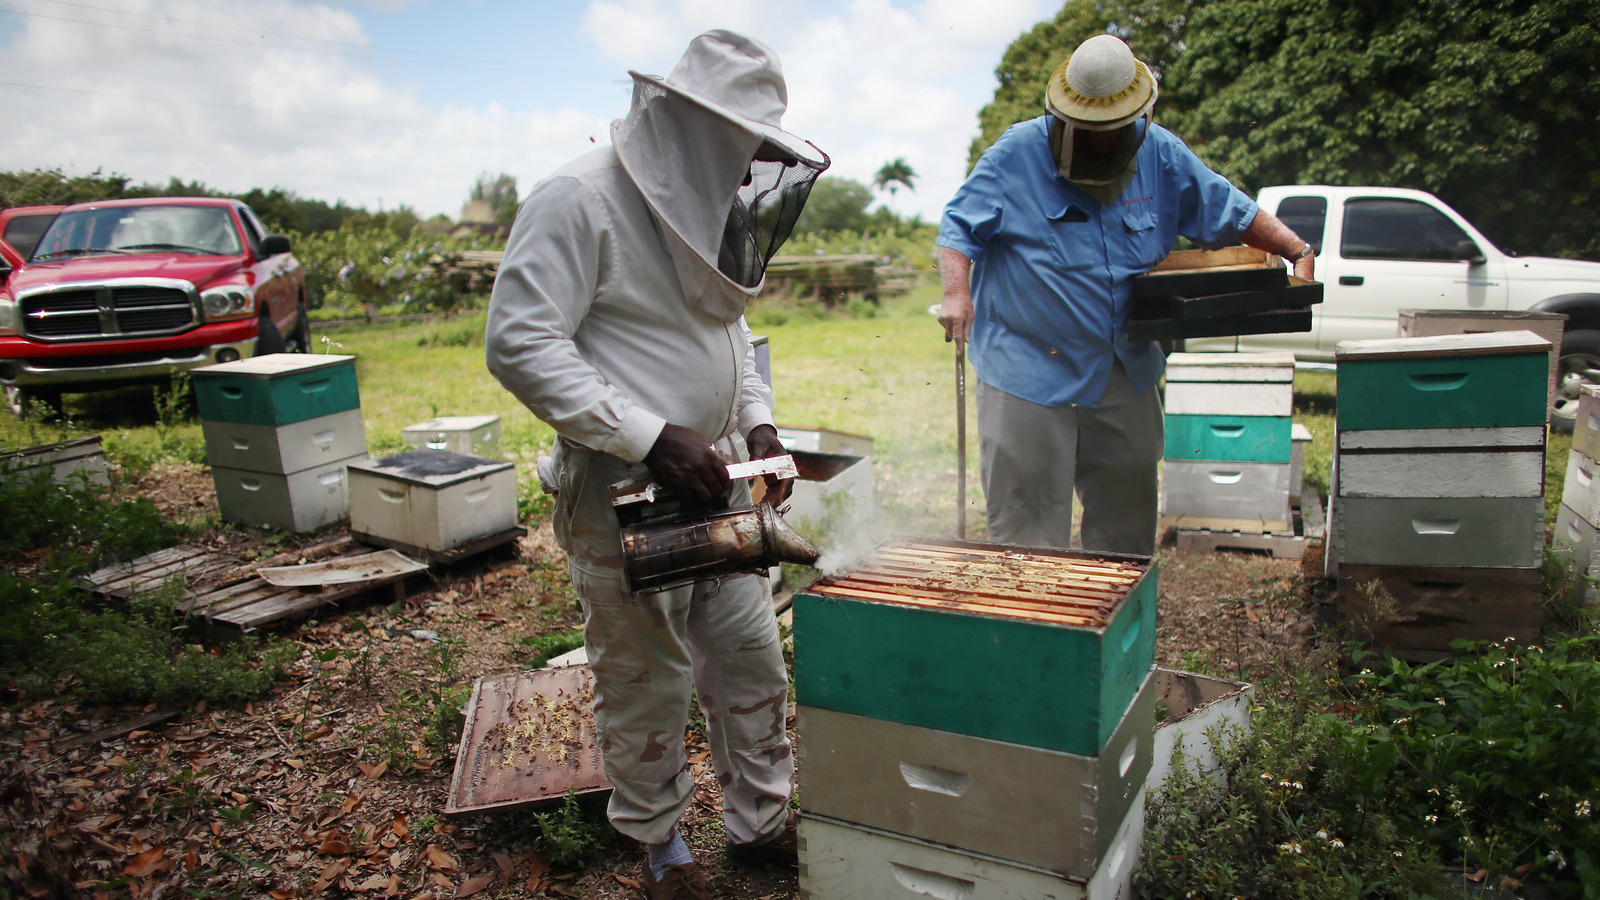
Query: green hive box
pixel 1488 380
pixel 1045 648
pixel 277 389
pixel 1229 438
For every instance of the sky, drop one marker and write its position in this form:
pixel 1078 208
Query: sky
pixel 384 103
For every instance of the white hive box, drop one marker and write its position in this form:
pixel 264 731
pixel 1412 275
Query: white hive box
pixel 1230 384
pixel 1299 437
pixel 432 499
pixel 1574 542
pixel 1225 496
pixel 823 440
pixel 825 476
pixel 472 435
pixel 1586 430
pixel 302 501
pixel 78 460
pixel 283 449
pixel 1442 462
pixel 841 861
pixel 1058 811
pixel 1204 716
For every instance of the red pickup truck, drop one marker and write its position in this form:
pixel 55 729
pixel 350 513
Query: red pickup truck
pixel 130 291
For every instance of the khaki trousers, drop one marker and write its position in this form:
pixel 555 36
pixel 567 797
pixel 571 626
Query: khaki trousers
pixel 1033 458
pixel 649 652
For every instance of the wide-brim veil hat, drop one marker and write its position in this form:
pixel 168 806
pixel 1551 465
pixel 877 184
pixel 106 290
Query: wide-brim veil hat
pixel 739 79
pixel 1101 86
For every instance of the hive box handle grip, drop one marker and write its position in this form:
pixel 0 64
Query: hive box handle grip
pixel 315 386
pixel 1225 476
pixel 232 393
pixel 1129 754
pixel 1439 381
pixel 935 781
pixel 933 884
pixel 1436 526
pixel 391 496
pixel 1228 431
pixel 479 495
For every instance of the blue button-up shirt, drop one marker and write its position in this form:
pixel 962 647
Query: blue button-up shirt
pixel 1053 267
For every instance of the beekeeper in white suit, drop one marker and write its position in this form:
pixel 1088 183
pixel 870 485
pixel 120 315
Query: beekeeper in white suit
pixel 617 318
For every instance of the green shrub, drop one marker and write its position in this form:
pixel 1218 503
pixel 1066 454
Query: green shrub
pixel 1298 811
pixel 545 647
pixel 1500 754
pixel 571 836
pixel 79 518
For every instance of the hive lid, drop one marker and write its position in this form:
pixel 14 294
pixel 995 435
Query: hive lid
pixel 1065 587
pixel 434 468
pixel 1487 343
pixel 274 365
pixel 451 423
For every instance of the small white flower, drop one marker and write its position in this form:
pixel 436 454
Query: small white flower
pixel 1490 743
pixel 1439 700
pixel 1544 795
pixel 1300 787
pixel 1366 671
pixel 1336 844
pixel 1584 809
pixel 1399 855
pixel 1322 834
pixel 1457 806
pixel 1434 791
pixel 1430 818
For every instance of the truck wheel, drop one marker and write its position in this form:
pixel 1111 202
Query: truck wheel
pixel 301 338
pixel 1579 365
pixel 22 401
pixel 268 338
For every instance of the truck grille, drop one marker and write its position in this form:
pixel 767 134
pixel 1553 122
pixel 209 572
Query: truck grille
pixel 118 311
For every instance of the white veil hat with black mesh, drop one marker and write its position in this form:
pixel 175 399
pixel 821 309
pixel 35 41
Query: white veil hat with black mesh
pixel 697 143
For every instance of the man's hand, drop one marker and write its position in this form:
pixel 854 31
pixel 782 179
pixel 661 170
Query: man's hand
pixel 763 443
pixel 955 313
pixel 680 461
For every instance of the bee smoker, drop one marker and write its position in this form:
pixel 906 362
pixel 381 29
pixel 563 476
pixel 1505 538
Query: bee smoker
pixel 668 542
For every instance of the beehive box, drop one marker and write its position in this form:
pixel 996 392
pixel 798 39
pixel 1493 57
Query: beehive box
pixel 1491 532
pixel 1416 611
pixel 1057 811
pixel 277 389
pixel 472 435
pixel 1494 380
pixel 1225 495
pixel 825 476
pixel 1040 647
pixel 1208 293
pixel 1265 439
pixel 432 499
pixel 1586 429
pixel 1442 462
pixel 282 449
pixel 301 501
pixel 1574 541
pixel 843 861
pixel 824 440
pixel 1200 714
pixel 1430 322
pixel 1230 385
pixel 78 460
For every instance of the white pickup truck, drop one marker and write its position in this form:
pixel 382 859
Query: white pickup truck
pixel 1381 250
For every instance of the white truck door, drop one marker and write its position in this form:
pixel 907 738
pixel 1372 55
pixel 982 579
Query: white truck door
pixel 1397 253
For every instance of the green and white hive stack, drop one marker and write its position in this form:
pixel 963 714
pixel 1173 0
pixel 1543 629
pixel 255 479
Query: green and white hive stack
pixel 1437 503
pixel 975 720
pixel 1578 522
pixel 1230 448
pixel 280 430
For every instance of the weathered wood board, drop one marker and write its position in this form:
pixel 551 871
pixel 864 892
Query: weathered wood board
pixel 1418 610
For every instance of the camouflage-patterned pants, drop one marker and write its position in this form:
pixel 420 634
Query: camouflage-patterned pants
pixel 716 638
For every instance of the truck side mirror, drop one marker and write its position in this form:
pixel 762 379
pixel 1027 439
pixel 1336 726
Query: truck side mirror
pixel 276 244
pixel 5 271
pixel 1468 251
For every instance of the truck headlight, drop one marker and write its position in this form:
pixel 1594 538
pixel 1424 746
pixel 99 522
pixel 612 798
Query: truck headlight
pixel 8 316
pixel 228 300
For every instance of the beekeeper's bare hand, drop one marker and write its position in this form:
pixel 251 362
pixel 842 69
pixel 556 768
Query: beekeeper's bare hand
pixel 681 461
pixel 955 313
pixel 763 444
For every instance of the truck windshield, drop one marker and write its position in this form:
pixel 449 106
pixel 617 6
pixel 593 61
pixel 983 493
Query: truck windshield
pixel 206 230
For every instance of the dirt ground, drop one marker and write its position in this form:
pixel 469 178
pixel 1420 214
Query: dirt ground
pixel 290 796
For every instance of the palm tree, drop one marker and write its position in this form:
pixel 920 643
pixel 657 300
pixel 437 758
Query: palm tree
pixel 893 174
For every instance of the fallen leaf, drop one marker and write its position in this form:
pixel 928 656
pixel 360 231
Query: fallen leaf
pixel 145 862
pixel 216 827
pixel 440 860
pixel 400 828
pixel 295 764
pixel 351 801
pixel 474 885
pixel 506 864
pixel 372 771
pixel 393 887
pixel 333 870
pixel 376 882
pixel 191 861
pixel 539 865
pixel 332 846
pixel 321 732
pixel 281 895
pixel 623 879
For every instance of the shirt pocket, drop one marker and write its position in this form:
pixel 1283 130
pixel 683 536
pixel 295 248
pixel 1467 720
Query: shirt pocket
pixel 1075 238
pixel 1142 239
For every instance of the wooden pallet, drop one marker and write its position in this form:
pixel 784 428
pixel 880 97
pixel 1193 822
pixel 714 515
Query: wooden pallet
pixel 1308 527
pixel 226 594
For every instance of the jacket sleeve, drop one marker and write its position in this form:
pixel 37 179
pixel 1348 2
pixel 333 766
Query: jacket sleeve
pixel 557 260
pixel 755 398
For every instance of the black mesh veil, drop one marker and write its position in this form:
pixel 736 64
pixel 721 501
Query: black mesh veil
pixel 764 212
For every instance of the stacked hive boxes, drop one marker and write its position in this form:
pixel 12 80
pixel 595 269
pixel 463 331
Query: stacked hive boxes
pixel 472 435
pixel 279 431
pixel 1438 507
pixel 974 720
pixel 1229 442
pixel 1578 522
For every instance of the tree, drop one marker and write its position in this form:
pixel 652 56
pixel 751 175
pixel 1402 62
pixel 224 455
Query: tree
pixel 499 192
pixel 835 204
pixel 1491 105
pixel 893 174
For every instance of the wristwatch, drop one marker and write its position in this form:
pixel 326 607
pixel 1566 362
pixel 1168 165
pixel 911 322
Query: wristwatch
pixel 1304 252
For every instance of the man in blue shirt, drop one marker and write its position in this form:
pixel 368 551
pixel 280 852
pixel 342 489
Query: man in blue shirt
pixel 1038 251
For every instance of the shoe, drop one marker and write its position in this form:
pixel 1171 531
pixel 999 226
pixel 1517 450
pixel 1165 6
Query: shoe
pixel 685 882
pixel 784 849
